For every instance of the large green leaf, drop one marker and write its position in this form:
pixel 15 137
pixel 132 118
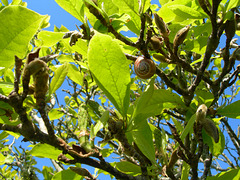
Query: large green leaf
pixel 215 148
pixel 189 127
pixel 2 159
pixel 130 7
pixel 186 12
pixel 49 38
pixel 185 171
pixel 128 167
pixel 153 101
pixel 6 87
pixel 74 7
pixel 139 128
pixel 59 77
pixel 143 109
pixel 55 114
pixel 45 151
pixel 233 174
pixel 143 138
pixel 167 14
pixel 110 69
pixel 18 25
pixel 231 110
pixel 74 74
pixel 232 4
pixel 67 174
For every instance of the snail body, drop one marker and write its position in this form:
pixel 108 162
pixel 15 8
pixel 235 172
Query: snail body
pixel 144 68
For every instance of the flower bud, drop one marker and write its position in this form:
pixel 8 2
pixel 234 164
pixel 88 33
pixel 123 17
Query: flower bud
pixel 162 27
pixel 156 43
pixel 208 125
pixel 211 129
pixel 230 28
pixel 180 37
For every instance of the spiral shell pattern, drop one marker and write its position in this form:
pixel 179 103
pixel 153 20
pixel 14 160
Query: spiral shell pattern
pixel 144 68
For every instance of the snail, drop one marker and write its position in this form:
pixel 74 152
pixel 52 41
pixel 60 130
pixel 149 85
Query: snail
pixel 144 68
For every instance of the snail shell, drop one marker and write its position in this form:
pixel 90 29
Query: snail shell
pixel 144 68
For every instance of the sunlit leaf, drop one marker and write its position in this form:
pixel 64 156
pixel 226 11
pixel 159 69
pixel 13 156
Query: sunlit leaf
pixel 58 78
pixel 67 174
pixel 233 174
pixel 185 171
pixel 186 12
pixel 142 136
pixel 231 110
pixel 55 114
pixel 18 25
pixel 128 167
pixel 75 74
pixel 110 69
pixel 73 7
pixel 189 127
pixel 215 148
pixel 45 151
pixel 49 38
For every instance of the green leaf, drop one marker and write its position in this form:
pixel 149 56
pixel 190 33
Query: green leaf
pixel 231 110
pixel 67 174
pixel 162 2
pixel 110 69
pixel 59 77
pixel 153 101
pixel 189 127
pixel 128 168
pixel 74 7
pixel 102 122
pixel 143 138
pixel 81 47
pixel 55 114
pixel 45 151
pixel 75 74
pixel 9 159
pixel 3 135
pixel 6 87
pixel 18 25
pixel 143 109
pixel 50 38
pixel 167 97
pixel 232 4
pixel 185 171
pixel 215 148
pixel 16 2
pixel 65 58
pixel 5 2
pixel 233 174
pixel 2 159
pixel 130 7
pixel 186 12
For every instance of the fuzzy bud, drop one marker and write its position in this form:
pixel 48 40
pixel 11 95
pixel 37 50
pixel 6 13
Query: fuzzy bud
pixel 162 27
pixel 180 37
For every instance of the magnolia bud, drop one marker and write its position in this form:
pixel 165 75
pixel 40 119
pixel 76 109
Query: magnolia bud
pixel 156 43
pixel 208 125
pixel 161 58
pixel 162 27
pixel 180 37
pixel 230 28
pixel 211 129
